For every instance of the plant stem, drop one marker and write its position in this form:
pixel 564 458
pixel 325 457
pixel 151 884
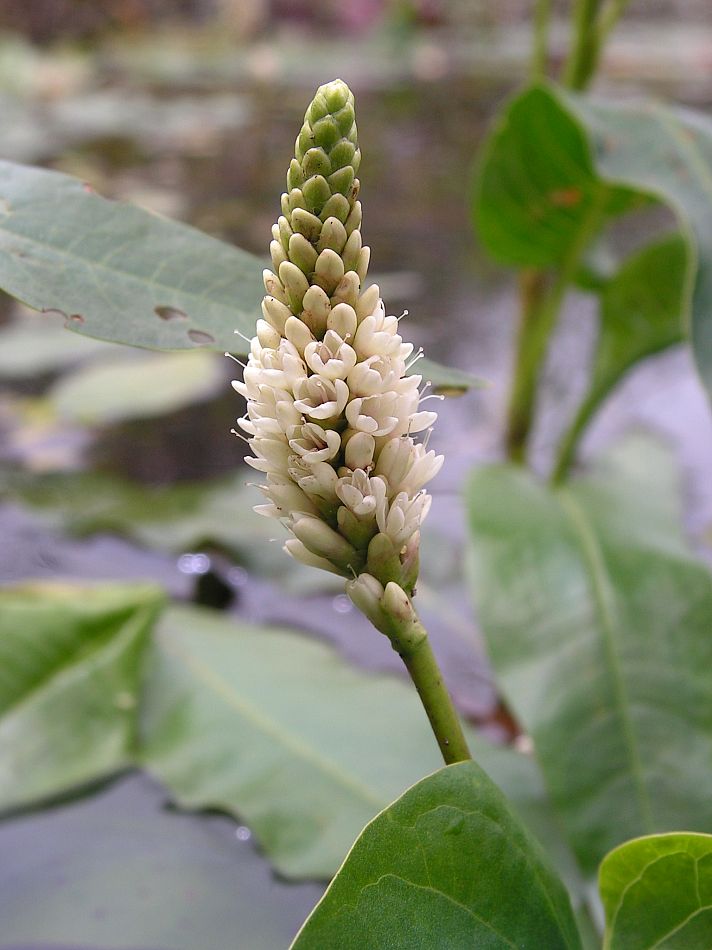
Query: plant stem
pixel 540 52
pixel 531 345
pixel 585 48
pixel 540 310
pixel 572 437
pixel 444 721
pixel 400 623
pixel 610 15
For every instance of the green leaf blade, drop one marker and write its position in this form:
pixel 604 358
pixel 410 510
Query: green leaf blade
pixel 657 893
pixel 597 621
pixel 70 666
pixel 277 729
pixel 118 272
pixel 445 865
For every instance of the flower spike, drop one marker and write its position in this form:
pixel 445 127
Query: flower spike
pixel 331 413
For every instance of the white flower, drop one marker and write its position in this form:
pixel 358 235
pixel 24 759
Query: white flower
pixel 331 424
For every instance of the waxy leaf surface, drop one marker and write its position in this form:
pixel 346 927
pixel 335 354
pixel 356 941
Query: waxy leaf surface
pixel 120 273
pixel 597 618
pixel 657 893
pixel 70 666
pixel 279 730
pixel 447 865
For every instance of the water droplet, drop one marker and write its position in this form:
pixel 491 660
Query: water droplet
pixel 201 337
pixel 238 576
pixel 524 744
pixel 342 604
pixel 243 833
pixel 193 563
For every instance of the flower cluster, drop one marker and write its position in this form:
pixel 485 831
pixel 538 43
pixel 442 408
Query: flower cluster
pixel 331 411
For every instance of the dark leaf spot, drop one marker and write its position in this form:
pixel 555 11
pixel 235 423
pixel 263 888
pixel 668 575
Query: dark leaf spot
pixel 170 313
pixel 76 318
pixel 201 337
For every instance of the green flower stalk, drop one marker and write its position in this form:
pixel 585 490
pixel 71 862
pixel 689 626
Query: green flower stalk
pixel 331 410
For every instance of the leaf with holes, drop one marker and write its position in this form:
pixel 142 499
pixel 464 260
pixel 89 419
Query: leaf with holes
pixel 447 865
pixel 657 893
pixel 123 274
pixel 278 729
pixel 70 665
pixel 597 618
pixel 118 272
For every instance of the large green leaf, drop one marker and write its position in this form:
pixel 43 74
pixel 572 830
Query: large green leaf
pixel 598 619
pixel 120 273
pixel 639 316
pixel 557 166
pixel 640 311
pixel 657 893
pixel 279 730
pixel 447 865
pixel 667 153
pixel 118 871
pixel 70 664
pixel 538 193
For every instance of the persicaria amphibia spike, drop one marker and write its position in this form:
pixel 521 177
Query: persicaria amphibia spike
pixel 331 414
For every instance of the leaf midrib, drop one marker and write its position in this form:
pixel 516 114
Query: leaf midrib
pixel 292 743
pixel 601 588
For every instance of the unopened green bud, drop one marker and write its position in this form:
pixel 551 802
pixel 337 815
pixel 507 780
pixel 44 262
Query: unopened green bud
pixel 302 253
pixel 333 235
pixel 295 175
pixel 337 206
pixel 347 290
pixel 316 192
pixel 351 251
pixel 295 285
pixel 316 162
pixel 329 270
pixel 365 593
pixel 307 224
pixel 342 180
pixel 323 541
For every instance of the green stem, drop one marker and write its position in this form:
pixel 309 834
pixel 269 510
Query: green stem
pixel 540 52
pixel 610 15
pixel 585 48
pixel 444 721
pixel 410 640
pixel 572 437
pixel 540 311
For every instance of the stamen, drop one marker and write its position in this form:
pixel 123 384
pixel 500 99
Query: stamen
pixel 242 335
pixel 230 356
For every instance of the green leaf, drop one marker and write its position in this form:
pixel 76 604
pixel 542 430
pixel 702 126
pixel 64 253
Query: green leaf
pixel 597 618
pixel 136 386
pixel 538 192
pixel 447 865
pixel 70 664
pixel 558 165
pixel 657 893
pixel 123 274
pixel 279 730
pixel 119 870
pixel 665 152
pixel 118 272
pixel 640 310
pixel 640 316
